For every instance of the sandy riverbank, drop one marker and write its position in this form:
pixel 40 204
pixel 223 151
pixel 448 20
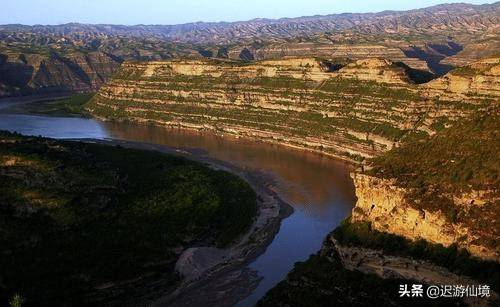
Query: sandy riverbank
pixel 214 276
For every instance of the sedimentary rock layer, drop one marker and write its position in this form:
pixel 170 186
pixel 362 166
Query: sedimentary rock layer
pixel 481 77
pixel 385 205
pixel 353 111
pixel 375 262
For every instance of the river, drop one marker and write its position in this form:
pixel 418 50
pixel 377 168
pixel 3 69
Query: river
pixel 318 187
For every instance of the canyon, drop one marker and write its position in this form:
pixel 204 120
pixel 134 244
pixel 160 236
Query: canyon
pixel 24 73
pixel 364 111
pixel 409 99
pixel 81 57
pixel 349 109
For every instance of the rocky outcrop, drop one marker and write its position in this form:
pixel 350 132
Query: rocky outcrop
pixel 331 50
pixel 481 78
pixel 378 70
pixel 297 68
pixel 384 204
pixel 375 262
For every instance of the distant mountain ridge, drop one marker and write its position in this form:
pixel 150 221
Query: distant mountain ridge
pixel 462 17
pixel 81 57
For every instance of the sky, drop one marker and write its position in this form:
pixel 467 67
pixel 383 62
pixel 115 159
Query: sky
pixel 130 12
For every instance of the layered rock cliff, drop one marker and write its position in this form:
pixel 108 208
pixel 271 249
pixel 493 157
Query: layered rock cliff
pixel 329 49
pixel 353 110
pixel 434 39
pixel 29 73
pixel 479 78
pixel 385 205
pixel 378 70
pixel 426 213
pixel 444 189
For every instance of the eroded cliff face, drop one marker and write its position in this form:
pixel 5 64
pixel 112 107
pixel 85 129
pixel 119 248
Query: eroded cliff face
pixel 297 68
pixel 378 70
pixel 375 262
pixel 479 78
pixel 353 112
pixel 22 74
pixel 386 206
pixel 359 51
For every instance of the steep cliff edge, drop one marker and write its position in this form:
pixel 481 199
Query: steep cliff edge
pixel 378 70
pixel 478 78
pixel 444 189
pixel 354 110
pixel 351 270
pixel 385 205
pixel 358 265
pixel 426 214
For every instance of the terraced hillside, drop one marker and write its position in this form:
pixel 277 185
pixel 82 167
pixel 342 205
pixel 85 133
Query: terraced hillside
pixel 352 110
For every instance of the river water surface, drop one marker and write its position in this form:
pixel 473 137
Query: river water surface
pixel 319 188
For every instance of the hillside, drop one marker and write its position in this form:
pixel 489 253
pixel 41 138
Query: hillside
pixel 353 110
pixel 481 76
pixel 80 57
pixel 426 213
pixel 74 215
pixel 32 64
pixel 450 179
pixel 24 73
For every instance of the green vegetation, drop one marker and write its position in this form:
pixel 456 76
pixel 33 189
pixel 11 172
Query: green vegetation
pixel 456 260
pixel 322 281
pixel 73 105
pixel 369 88
pixel 16 301
pixel 464 71
pixel 74 216
pixel 70 106
pixel 283 83
pixel 456 160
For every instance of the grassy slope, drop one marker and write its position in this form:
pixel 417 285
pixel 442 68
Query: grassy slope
pixel 71 106
pixel 73 215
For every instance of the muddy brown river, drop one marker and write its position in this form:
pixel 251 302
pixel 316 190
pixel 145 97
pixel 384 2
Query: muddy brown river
pixel 319 188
